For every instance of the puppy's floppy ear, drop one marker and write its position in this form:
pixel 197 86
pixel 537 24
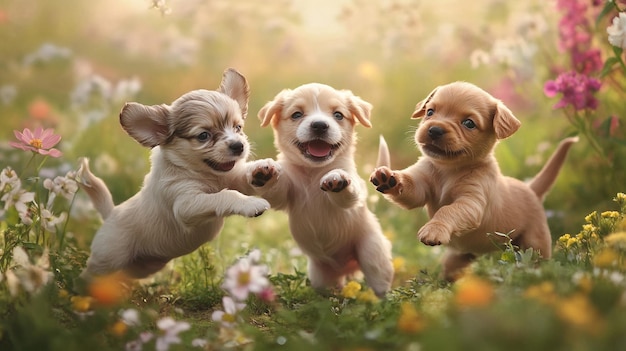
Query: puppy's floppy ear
pixel 272 108
pixel 234 84
pixel 360 109
pixel 504 122
pixel 146 124
pixel 420 108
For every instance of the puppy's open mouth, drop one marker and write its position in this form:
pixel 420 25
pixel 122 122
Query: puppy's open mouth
pixel 437 152
pixel 317 150
pixel 222 167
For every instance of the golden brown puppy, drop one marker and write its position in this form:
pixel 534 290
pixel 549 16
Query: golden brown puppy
pixel 460 183
pixel 198 158
pixel 316 182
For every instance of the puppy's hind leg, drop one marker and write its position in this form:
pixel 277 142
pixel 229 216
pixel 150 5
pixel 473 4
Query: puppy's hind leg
pixel 95 188
pixel 454 262
pixel 323 276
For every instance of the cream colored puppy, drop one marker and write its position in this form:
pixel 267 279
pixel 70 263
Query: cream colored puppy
pixel 459 181
pixel 198 158
pixel 316 182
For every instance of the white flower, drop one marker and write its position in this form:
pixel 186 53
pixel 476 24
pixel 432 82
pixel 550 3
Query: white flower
pixel 19 199
pixel 9 181
pixel 63 186
pixel 244 277
pixel 228 316
pixel 49 221
pixel 617 31
pixel 130 317
pixel 170 329
pixel 32 277
pixel 199 343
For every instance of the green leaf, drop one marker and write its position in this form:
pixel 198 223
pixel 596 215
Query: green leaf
pixel 608 65
pixel 609 6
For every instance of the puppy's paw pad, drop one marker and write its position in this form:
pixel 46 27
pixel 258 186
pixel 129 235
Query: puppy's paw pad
pixel 263 172
pixel 335 182
pixel 433 234
pixel 384 179
pixel 254 207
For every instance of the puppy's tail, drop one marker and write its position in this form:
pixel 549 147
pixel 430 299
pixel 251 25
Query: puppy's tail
pixel 544 180
pixel 384 159
pixel 96 189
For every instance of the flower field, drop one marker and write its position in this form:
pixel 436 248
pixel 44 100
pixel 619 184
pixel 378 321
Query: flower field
pixel 67 70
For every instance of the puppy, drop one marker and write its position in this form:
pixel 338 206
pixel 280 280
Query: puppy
pixel 460 183
pixel 198 158
pixel 315 181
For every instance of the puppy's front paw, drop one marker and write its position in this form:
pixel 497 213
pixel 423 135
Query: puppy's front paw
pixel 254 207
pixel 335 181
pixel 434 233
pixel 386 181
pixel 263 172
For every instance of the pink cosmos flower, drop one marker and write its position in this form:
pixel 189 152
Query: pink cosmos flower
pixel 245 277
pixel 40 141
pixel 577 90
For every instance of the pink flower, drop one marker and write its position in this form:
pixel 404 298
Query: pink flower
pixel 245 277
pixel 40 141
pixel 228 317
pixel 577 90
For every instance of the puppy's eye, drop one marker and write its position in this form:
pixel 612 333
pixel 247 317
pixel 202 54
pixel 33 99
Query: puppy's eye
pixel 469 124
pixel 238 128
pixel 204 136
pixel 296 115
pixel 338 115
pixel 430 112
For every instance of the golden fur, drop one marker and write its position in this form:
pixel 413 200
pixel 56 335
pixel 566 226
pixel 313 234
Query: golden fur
pixel 460 183
pixel 198 156
pixel 315 181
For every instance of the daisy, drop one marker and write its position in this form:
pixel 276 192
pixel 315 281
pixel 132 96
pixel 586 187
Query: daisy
pixel 228 316
pixel 40 141
pixel 171 329
pixel 244 277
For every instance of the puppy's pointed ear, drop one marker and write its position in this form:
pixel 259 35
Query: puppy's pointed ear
pixel 272 109
pixel 234 84
pixel 504 122
pixel 360 109
pixel 420 108
pixel 146 124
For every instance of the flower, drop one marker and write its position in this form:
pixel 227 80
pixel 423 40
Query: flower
pixel 18 198
pixel 228 316
pixel 63 186
pixel 40 141
pixel 171 329
pixel 9 181
pixel 367 296
pixel 245 277
pixel 351 290
pixel 409 321
pixel 617 31
pixel 31 277
pixel 579 312
pixel 473 291
pixel 130 317
pixel 577 90
pixel 49 221
pixel 109 289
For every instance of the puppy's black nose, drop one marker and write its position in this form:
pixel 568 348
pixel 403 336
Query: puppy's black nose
pixel 319 127
pixel 236 147
pixel 435 132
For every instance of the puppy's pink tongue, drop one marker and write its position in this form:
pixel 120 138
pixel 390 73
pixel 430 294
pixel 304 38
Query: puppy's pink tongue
pixel 318 148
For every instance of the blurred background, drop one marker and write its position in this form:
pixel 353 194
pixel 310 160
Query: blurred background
pixel 71 65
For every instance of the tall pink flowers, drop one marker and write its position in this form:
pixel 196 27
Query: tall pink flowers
pixel 40 141
pixel 577 90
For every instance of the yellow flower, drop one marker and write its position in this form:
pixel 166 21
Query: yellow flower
pixel 590 217
pixel 620 197
pixel 63 294
pixel 367 296
pixel 610 214
pixel 399 264
pixel 351 290
pixel 571 241
pixel 585 282
pixel 616 239
pixel 81 303
pixel 606 258
pixel 589 227
pixel 119 328
pixel 578 311
pixel 473 291
pixel 564 238
pixel 409 321
pixel 542 292
pixel 109 289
